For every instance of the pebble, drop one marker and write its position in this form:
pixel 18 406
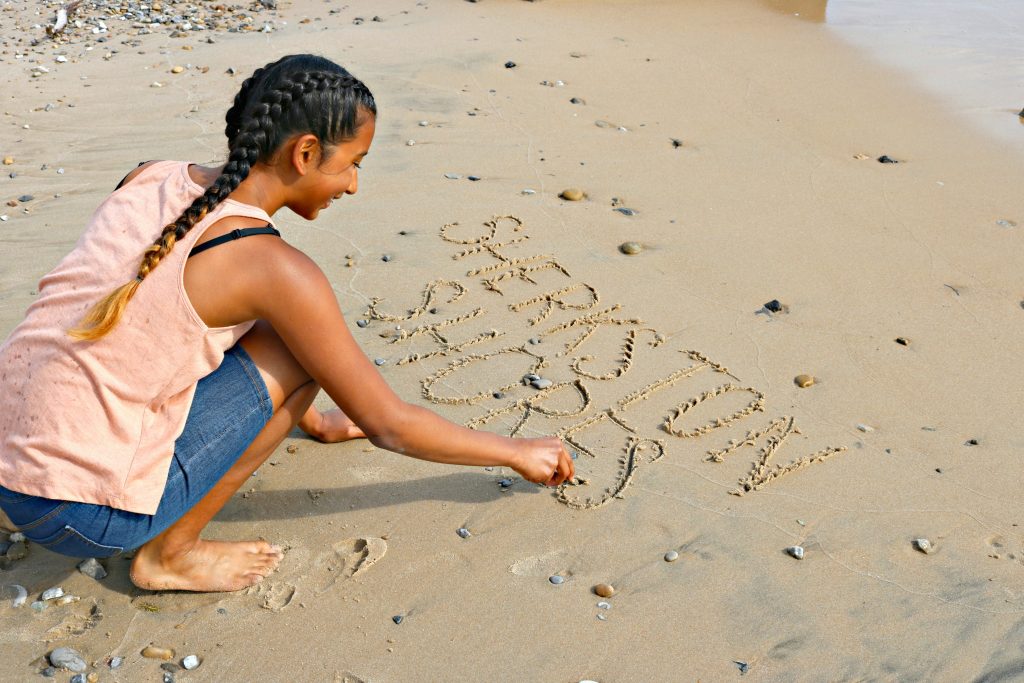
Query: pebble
pixel 604 605
pixel 463 532
pixel 498 395
pixel 25 198
pixel 671 556
pixel 20 595
pixel 52 593
pixel 116 662
pixel 68 658
pixel 92 568
pixel 154 652
pixel 168 677
pixel 630 248
pixel 170 666
pixel 887 160
pixel 474 178
pixel 626 211
pixel 17 551
pixel 556 579
pixel 803 381
pixel 1006 223
pixel 795 551
pixel 362 323
pixel 510 65
pixel 190 662
pixel 604 590
pixel 452 176
pixel 292 448
pixel 177 69
pixel 676 143
pixel 865 428
pixel 16 537
pixel 39 605
pixel 534 340
pixel 541 383
pixel 379 361
pixel 410 143
pixel 49 672
pixel 924 545
pixel 577 100
pixel 531 377
pixel 424 124
pixel 385 258
pixel 505 483
pixel 902 341
pixel 774 306
pixel 572 194
pixel 8 161
pixel 78 678
pixel 397 618
pixel 529 191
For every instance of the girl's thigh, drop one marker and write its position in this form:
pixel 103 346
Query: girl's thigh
pixel 230 408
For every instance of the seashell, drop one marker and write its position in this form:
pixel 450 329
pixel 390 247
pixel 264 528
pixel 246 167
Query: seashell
pixel 452 176
pixel 631 248
pixel 795 551
pixel 604 590
pixel 52 593
pixel 8 161
pixel 190 662
pixel 572 194
pixel 67 599
pixel 924 545
pixel 20 595
pixel 803 381
pixel 671 556
pixel 154 652
pixel 604 605
pixel 626 211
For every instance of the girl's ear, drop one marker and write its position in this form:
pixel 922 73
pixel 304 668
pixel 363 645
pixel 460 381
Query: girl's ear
pixel 305 153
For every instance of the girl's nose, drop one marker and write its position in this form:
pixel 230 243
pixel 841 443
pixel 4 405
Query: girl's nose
pixel 354 185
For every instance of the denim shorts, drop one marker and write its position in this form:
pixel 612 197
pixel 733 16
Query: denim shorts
pixel 231 406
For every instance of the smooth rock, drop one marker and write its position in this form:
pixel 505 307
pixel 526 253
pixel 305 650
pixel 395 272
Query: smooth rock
pixel 410 143
pixel 795 551
pixel 556 579
pixel 8 161
pixel 498 395
pixel 397 618
pixel 505 483
pixel 604 605
pixel 25 198
pixel 887 160
pixel 463 532
pixel 676 143
pixel 17 551
pixel 362 323
pixel 531 377
pixel 541 383
pixel 626 211
pixel 774 306
pixel 572 194
pixel 20 595
pixel 168 677
pixel 630 248
pixel 116 662
pixel 154 652
pixel 386 258
pixel 78 678
pixel 604 590
pixel 424 124
pixel 971 442
pixel 803 381
pixel 52 593
pixel 39 605
pixel 92 568
pixel 49 672
pixel 379 361
pixel 190 662
pixel 177 69
pixel 534 340
pixel 510 65
pixel 865 428
pixel 68 658
pixel 924 545
pixel 473 178
pixel 170 666
pixel 452 176
pixel 902 341
pixel 671 556
pixel 577 100
pixel 529 191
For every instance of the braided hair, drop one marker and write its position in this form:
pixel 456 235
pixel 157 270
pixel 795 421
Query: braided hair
pixel 297 94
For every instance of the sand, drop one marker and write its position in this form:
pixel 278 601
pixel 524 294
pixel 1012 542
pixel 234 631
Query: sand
pixel 671 382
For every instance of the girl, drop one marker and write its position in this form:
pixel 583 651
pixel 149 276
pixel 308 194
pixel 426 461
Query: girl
pixel 149 380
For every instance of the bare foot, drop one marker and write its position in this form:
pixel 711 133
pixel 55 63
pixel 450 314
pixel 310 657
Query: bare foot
pixel 205 566
pixel 330 427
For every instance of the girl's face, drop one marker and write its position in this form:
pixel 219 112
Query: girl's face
pixel 337 176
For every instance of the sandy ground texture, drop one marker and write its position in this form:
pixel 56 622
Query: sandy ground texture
pixel 744 143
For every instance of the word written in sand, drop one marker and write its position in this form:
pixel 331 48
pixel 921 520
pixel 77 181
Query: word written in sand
pixel 601 380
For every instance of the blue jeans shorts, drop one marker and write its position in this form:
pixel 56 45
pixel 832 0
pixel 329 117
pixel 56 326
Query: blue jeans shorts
pixel 231 406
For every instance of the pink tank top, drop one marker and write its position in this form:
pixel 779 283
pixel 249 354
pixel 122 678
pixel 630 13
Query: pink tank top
pixel 95 421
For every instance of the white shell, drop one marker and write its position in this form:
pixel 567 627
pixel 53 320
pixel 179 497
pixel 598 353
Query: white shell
pixel 21 595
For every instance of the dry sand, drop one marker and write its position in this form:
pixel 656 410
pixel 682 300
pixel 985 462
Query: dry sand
pixel 775 193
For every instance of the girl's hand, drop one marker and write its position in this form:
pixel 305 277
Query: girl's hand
pixel 330 427
pixel 543 461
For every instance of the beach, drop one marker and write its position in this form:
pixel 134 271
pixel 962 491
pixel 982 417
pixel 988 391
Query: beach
pixel 792 204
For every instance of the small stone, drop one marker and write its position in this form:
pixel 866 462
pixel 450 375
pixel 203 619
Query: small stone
pixel 572 194
pixel 971 442
pixel 8 161
pixel 887 160
pixel 379 361
pixel 626 211
pixel 25 198
pixel 190 662
pixel 577 100
pixel 52 593
pixel 510 65
pixel 168 677
pixel 397 618
pixel 473 178
pixel 1006 223
pixel 463 532
pixel 362 323
pixel 671 556
pixel 424 124
pixel 505 483
pixel 774 306
pixel 803 381
pixel 795 551
pixel 230 71
pixel 529 191
pixel 170 666
pixel 49 672
pixel 630 248
pixel 556 579
pixel 116 662
pixel 92 568
pixel 531 377
pixel 602 617
pixel 676 143
pixel 156 84
pixel 902 341
pixel 177 69
pixel 68 658
pixel 386 258
pixel 452 176
pixel 865 428
pixel 377 19
pixel 541 383
pixel 292 448
pixel 410 143
pixel 39 605
pixel 154 652
pixel 534 340
pixel 78 678
pixel 924 545
pixel 604 590
pixel 17 551
pixel 16 537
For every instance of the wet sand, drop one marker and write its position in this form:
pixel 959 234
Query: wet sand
pixel 670 380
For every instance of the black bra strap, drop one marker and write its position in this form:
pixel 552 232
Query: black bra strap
pixel 141 163
pixel 234 235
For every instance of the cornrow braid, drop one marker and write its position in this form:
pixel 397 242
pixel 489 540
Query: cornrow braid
pixel 296 94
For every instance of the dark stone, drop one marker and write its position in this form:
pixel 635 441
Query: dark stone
pixel 510 65
pixel 474 178
pixel 170 666
pixel 357 21
pixel 397 618
pixel 676 143
pixel 902 341
pixel 403 232
pixel 971 442
pixel 774 306
pixel 25 198
pixel 49 672
pixel 377 19
pixel 626 212
pixel 498 395
pixel 887 160
pixel 505 483
pixel 385 258
pixel 577 100
pixel 362 323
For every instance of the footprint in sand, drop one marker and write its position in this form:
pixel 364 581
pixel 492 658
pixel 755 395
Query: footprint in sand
pixel 349 558
pixel 276 596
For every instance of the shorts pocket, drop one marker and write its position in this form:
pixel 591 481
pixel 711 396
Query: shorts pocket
pixel 69 541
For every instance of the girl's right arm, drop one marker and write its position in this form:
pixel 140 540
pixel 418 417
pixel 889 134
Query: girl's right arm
pixel 295 297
